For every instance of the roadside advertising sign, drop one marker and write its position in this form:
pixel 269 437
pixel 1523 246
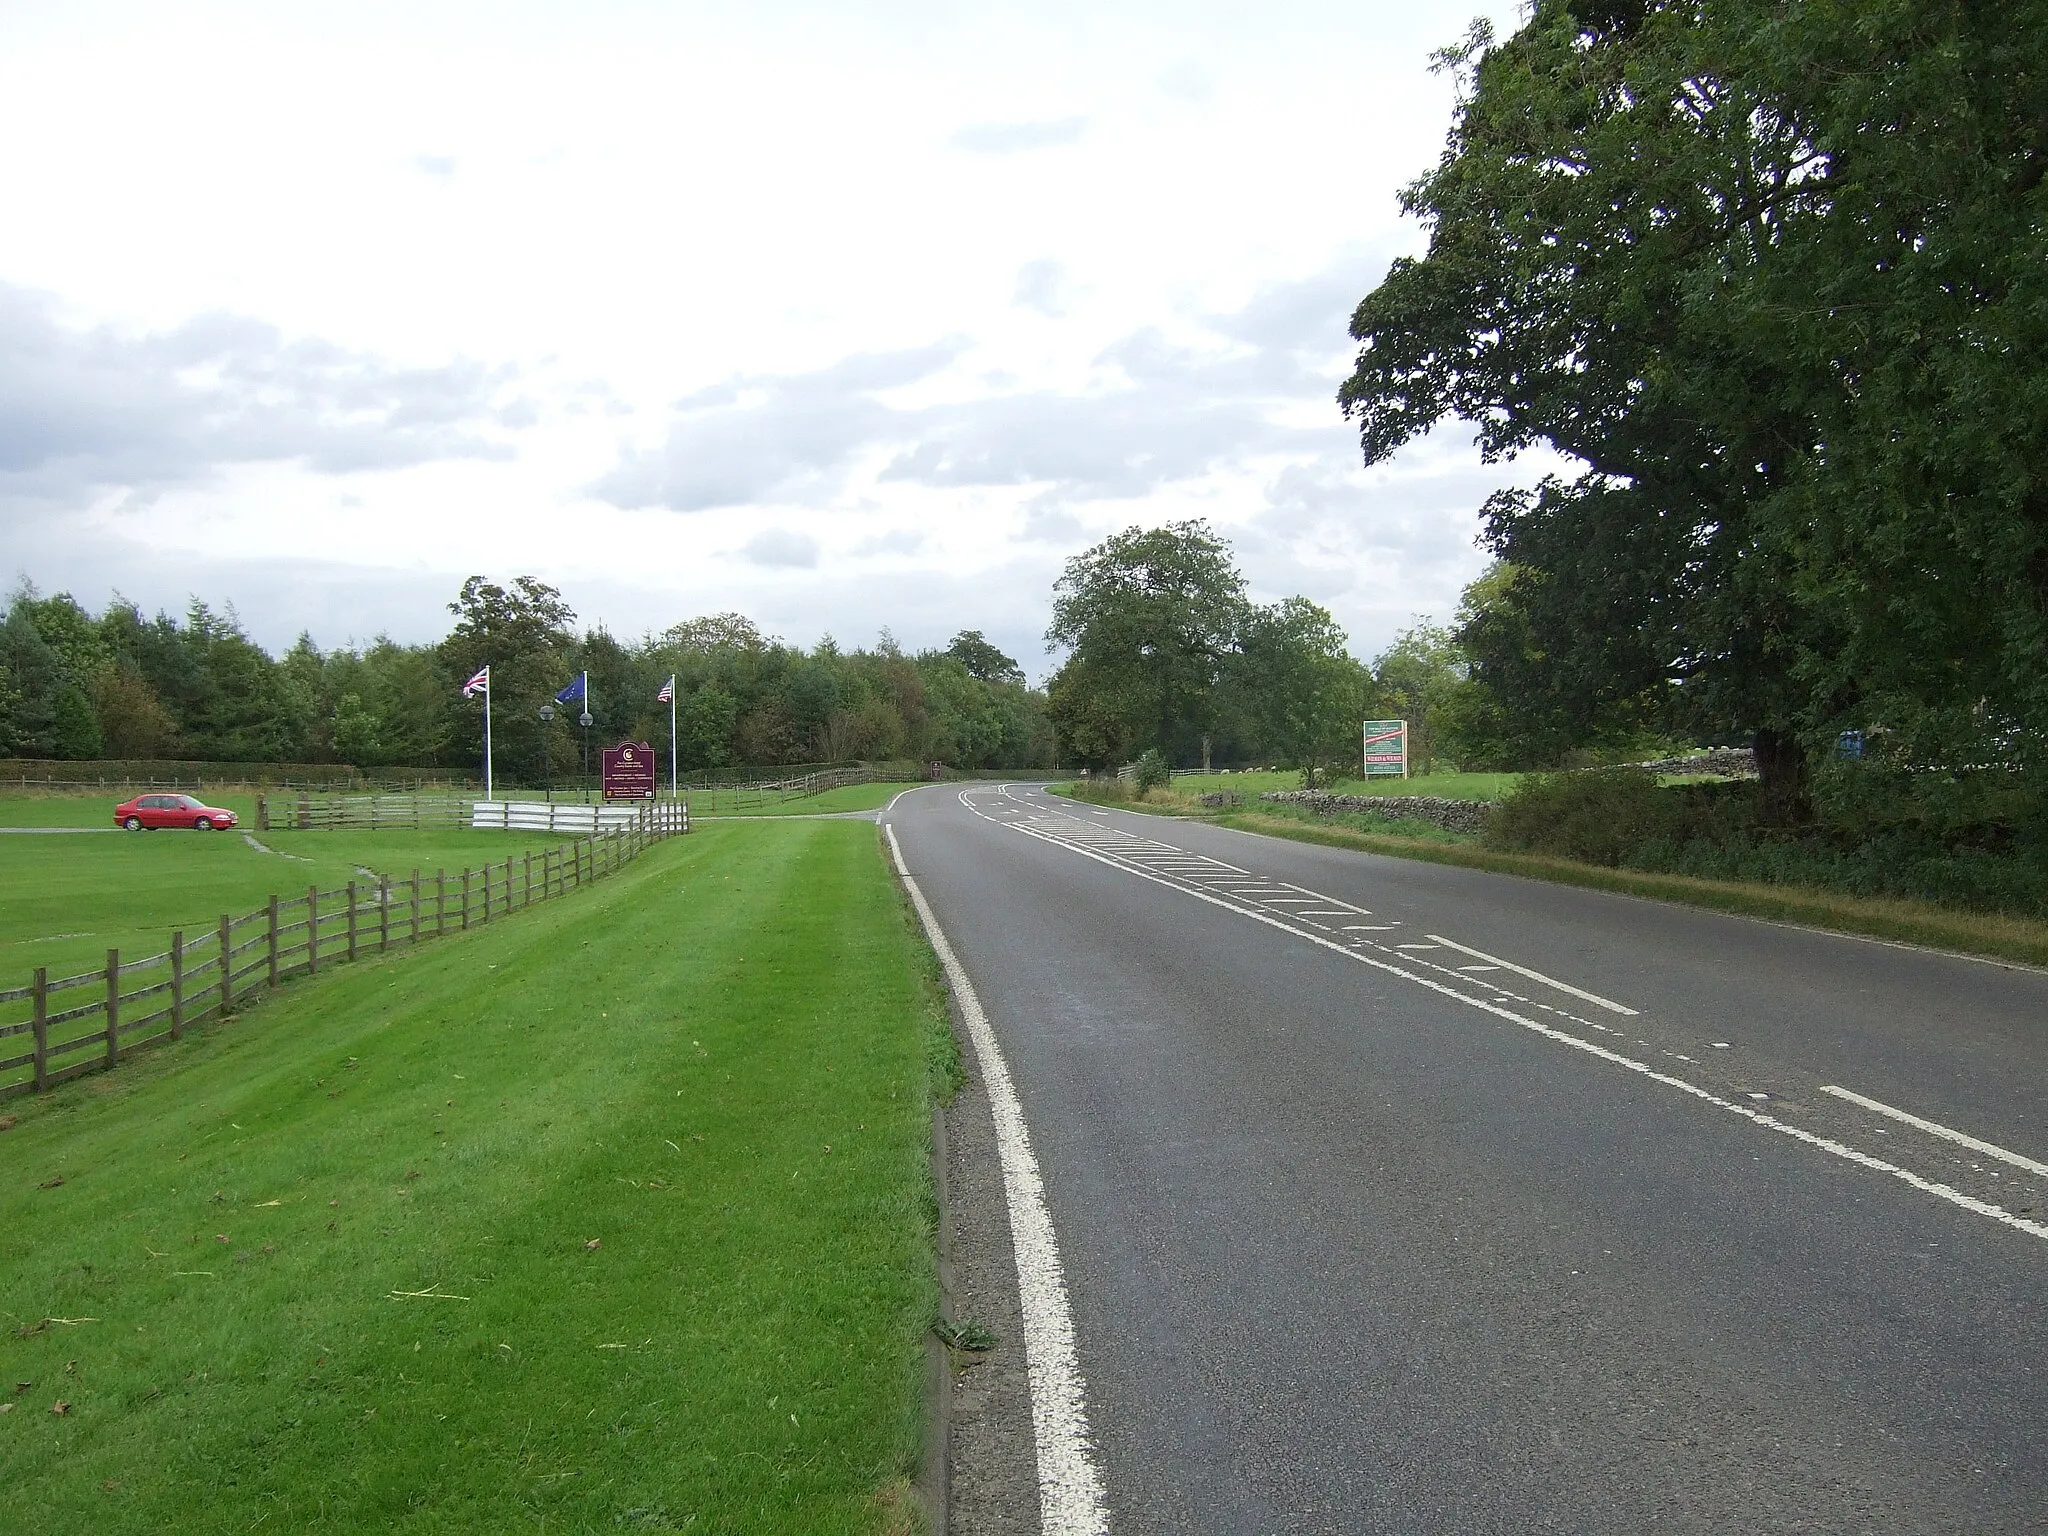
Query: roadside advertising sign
pixel 1386 749
pixel 629 771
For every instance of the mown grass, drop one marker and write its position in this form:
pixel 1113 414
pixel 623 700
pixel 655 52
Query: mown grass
pixel 613 1215
pixel 26 808
pixel 848 797
pixel 65 900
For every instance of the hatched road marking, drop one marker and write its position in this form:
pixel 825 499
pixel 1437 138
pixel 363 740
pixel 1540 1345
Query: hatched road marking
pixel 1272 902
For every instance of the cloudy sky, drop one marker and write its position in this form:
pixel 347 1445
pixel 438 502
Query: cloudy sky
pixel 844 316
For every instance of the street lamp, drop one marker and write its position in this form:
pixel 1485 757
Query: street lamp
pixel 586 721
pixel 547 756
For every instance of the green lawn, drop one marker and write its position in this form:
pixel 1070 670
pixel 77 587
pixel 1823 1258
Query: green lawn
pixel 66 900
pixel 28 809
pixel 615 1215
pixel 851 797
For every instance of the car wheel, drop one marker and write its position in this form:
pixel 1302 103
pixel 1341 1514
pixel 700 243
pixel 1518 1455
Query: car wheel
pixel 133 823
pixel 203 824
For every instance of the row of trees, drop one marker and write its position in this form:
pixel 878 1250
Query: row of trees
pixel 78 685
pixel 1776 279
pixel 1166 650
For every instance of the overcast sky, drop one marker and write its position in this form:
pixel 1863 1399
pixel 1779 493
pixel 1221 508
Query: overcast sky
pixel 844 316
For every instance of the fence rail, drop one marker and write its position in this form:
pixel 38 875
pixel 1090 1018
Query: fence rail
pixel 203 977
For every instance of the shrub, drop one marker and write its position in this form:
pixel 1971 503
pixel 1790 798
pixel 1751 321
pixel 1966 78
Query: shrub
pixel 1600 816
pixel 1152 771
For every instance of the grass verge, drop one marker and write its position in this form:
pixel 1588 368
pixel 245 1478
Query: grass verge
pixel 66 899
pixel 616 1215
pixel 1451 786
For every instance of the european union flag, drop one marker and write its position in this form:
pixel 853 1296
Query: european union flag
pixel 575 690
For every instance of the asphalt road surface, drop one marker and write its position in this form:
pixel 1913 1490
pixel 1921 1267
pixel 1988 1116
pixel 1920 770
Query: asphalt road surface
pixel 1393 1197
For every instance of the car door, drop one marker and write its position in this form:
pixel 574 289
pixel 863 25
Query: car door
pixel 158 811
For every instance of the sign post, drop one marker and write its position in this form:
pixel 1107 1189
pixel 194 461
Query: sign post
pixel 628 771
pixel 1386 748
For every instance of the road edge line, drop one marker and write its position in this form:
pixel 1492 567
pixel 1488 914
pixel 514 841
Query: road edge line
pixel 1070 1498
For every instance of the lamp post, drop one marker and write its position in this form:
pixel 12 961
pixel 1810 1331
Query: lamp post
pixel 547 756
pixel 586 721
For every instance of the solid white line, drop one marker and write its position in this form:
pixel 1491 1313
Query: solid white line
pixel 1070 1501
pixel 1755 1116
pixel 1933 1129
pixel 1549 981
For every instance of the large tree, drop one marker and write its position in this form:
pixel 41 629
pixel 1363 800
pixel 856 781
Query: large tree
pixel 1303 692
pixel 1771 276
pixel 1149 615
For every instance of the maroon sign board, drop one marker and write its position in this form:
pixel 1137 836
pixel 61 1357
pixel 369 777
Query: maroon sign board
pixel 629 771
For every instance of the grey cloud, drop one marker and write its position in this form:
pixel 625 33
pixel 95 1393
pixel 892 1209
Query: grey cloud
pixel 897 541
pixel 1042 285
pixel 754 439
pixel 1180 412
pixel 779 548
pixel 1012 138
pixel 87 410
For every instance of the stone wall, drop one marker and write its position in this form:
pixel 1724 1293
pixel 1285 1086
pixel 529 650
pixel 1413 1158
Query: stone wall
pixel 1450 815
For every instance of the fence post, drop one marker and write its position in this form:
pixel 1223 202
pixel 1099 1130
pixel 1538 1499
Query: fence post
pixel 273 941
pixel 178 984
pixel 305 813
pixel 383 913
pixel 312 930
pixel 227 966
pixel 440 902
pixel 351 919
pixel 39 992
pixel 415 906
pixel 487 891
pixel 263 813
pixel 113 1006
pixel 529 880
pixel 465 898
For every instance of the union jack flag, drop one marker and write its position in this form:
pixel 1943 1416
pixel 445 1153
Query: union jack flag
pixel 481 683
pixel 668 691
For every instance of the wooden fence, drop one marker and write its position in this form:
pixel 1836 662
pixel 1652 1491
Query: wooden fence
pixel 105 1015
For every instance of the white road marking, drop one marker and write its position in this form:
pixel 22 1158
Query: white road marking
pixel 1932 1128
pixel 1549 981
pixel 1070 1500
pixel 1563 1037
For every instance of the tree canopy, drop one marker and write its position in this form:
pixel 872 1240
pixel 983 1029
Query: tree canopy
pixel 75 685
pixel 1773 278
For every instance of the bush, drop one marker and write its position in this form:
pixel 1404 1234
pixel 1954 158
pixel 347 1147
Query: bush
pixel 1152 771
pixel 1600 816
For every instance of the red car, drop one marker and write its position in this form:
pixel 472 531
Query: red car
pixel 153 811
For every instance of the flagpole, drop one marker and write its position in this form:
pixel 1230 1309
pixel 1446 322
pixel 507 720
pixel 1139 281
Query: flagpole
pixel 671 736
pixel 487 737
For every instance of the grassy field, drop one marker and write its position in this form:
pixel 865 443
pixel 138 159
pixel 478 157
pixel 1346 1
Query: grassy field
pixel 19 809
pixel 850 797
pixel 65 900
pixel 616 1215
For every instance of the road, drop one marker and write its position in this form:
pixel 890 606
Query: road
pixel 1393 1197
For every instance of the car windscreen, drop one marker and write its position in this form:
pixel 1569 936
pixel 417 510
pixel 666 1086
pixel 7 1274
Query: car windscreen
pixel 189 803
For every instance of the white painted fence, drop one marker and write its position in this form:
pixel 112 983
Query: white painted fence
pixel 555 816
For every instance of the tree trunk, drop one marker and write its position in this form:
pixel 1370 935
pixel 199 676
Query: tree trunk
pixel 1781 779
